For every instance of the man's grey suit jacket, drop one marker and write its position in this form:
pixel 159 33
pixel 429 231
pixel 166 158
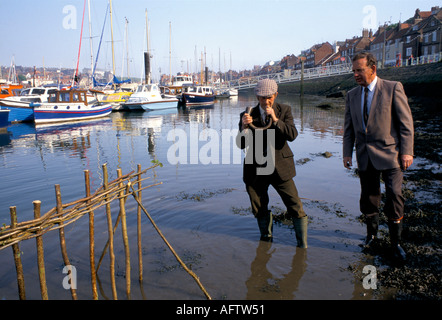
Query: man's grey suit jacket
pixel 389 131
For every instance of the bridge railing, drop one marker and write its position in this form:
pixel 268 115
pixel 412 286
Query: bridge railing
pixel 318 72
pixel 289 76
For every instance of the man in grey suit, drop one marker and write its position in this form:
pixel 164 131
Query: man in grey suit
pixel 269 160
pixel 378 120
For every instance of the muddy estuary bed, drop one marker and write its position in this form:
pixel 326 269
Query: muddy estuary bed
pixel 420 277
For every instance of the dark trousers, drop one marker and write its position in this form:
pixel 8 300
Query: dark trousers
pixel 259 198
pixel 371 192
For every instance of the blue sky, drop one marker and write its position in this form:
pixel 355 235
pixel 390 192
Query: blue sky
pixel 246 32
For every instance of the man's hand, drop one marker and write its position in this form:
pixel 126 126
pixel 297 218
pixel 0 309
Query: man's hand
pixel 246 120
pixel 271 112
pixel 406 161
pixel 347 162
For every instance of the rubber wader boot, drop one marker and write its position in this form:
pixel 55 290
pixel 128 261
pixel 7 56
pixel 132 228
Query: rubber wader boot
pixel 265 224
pixel 300 226
pixel 395 228
pixel 372 223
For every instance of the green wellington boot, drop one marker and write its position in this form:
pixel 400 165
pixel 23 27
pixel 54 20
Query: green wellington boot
pixel 265 224
pixel 372 223
pixel 395 228
pixel 300 226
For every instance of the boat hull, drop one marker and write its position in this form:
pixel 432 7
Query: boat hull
pixel 191 99
pixel 45 114
pixel 20 113
pixel 160 105
pixel 4 115
pixel 152 105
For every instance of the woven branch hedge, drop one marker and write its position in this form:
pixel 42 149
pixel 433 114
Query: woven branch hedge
pixel 64 214
pixel 71 212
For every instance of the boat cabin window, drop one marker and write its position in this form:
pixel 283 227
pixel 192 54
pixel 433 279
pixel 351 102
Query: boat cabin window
pixel 25 92
pixel 144 88
pixel 50 91
pixel 75 96
pixel 38 91
pixel 5 91
pixel 52 97
pixel 65 96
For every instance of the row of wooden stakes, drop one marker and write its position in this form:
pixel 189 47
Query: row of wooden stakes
pixel 64 214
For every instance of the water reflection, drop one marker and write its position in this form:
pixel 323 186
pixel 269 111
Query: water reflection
pixel 262 285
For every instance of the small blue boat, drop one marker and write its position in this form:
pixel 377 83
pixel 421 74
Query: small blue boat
pixel 19 105
pixel 20 113
pixel 68 105
pixel 4 115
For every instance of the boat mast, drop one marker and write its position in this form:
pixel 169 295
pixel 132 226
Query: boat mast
pixel 170 52
pixel 112 39
pixel 90 36
pixel 127 49
pixel 79 49
pixel 201 80
pixel 147 55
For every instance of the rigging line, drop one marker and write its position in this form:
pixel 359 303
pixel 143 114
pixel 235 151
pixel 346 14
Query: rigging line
pixel 81 36
pixel 101 39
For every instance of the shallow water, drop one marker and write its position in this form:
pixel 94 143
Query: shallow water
pixel 202 209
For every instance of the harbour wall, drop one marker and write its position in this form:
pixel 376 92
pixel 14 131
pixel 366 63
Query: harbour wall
pixel 419 81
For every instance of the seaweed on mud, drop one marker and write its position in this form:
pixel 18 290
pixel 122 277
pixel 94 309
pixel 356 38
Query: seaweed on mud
pixel 192 260
pixel 202 194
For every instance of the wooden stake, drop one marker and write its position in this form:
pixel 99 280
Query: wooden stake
pixel 110 233
pixel 124 232
pixel 194 276
pixel 64 252
pixel 40 255
pixel 91 239
pixel 17 259
pixel 140 250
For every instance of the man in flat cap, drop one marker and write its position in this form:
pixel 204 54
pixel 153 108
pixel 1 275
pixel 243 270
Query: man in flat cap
pixel 269 160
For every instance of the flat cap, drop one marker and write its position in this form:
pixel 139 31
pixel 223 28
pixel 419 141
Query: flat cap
pixel 266 87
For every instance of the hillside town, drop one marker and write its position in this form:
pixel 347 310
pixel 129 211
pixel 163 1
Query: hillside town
pixel 415 41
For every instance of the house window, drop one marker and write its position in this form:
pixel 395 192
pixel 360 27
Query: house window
pixel 434 35
pixel 408 39
pixel 409 52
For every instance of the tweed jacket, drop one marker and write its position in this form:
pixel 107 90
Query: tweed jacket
pixel 285 130
pixel 389 132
